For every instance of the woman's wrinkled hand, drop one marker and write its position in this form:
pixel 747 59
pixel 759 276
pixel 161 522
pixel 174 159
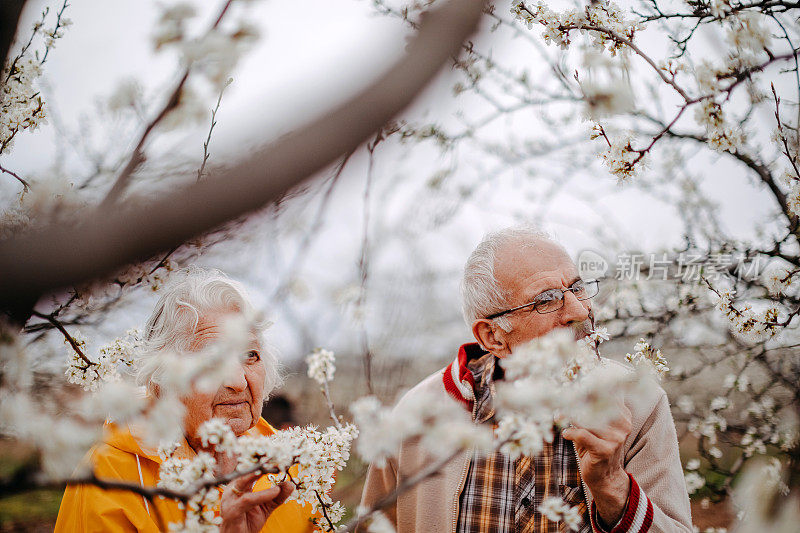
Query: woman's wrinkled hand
pixel 245 511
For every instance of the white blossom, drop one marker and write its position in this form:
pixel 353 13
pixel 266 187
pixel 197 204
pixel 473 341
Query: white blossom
pixel 778 279
pixel 793 198
pixel 707 77
pixel 720 135
pixel 190 109
pixel 442 430
pixel 558 510
pixel 21 105
pixel 747 32
pixel 379 523
pixel 621 158
pixel 171 25
pixel 719 8
pixel 644 353
pixel 163 421
pixel 117 401
pixel 127 95
pixel 554 377
pixel 718 403
pixel 685 404
pixel 694 482
pixel 321 365
pixel 217 434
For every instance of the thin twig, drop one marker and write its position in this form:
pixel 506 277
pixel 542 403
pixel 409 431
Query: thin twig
pixel 324 507
pixel 363 265
pixel 180 495
pixel 25 185
pixel 55 30
pixel 331 409
pixel 206 155
pixel 137 156
pixel 36 27
pixel 72 342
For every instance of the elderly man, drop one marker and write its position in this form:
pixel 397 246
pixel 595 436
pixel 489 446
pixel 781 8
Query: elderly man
pixel 626 477
pixel 188 317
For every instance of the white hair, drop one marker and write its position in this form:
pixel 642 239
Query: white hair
pixel 193 293
pixel 481 294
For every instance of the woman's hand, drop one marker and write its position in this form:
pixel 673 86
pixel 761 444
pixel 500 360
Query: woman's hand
pixel 244 511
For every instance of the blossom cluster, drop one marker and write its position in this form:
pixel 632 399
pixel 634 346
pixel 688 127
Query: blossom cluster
pixel 307 457
pixel 321 365
pixel 751 325
pixel 318 455
pixel 720 135
pixel 747 32
pixel 90 375
pixel 21 104
pixel 184 474
pixel 602 14
pixel 622 159
pixel 779 279
pixel 644 353
pixel 555 378
pixel 558 510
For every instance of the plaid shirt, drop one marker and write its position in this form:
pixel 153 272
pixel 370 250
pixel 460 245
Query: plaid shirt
pixel 503 496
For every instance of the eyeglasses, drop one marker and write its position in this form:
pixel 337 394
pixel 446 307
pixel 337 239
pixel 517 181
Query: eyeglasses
pixel 553 299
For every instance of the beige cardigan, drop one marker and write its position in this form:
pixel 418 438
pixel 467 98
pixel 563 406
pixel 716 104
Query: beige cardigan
pixel 651 457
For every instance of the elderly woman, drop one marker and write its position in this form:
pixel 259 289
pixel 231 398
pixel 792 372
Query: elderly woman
pixel 187 318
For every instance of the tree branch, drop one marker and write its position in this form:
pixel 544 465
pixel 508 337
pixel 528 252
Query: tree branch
pixel 105 239
pixel 72 342
pixel 25 185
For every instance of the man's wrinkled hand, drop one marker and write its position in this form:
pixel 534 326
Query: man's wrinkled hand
pixel 601 457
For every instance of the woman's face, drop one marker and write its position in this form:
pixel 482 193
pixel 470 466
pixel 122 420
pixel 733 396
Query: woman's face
pixel 239 399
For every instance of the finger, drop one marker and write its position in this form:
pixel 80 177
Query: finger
pixel 245 483
pixel 286 490
pixel 583 438
pixel 610 434
pixel 274 496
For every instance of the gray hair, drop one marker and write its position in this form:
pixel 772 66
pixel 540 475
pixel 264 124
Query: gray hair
pixel 193 293
pixel 481 294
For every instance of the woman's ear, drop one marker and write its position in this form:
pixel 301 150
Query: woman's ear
pixel 491 337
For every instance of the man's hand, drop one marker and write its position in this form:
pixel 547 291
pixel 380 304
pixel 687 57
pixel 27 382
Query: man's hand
pixel 244 511
pixel 600 453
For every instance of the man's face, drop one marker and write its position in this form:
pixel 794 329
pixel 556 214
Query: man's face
pixel 526 270
pixel 239 399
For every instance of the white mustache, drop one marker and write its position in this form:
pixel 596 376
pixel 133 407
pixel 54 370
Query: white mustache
pixel 582 329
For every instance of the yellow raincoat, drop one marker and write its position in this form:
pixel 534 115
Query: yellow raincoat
pixel 88 508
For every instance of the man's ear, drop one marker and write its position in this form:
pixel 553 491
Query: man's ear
pixel 491 337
